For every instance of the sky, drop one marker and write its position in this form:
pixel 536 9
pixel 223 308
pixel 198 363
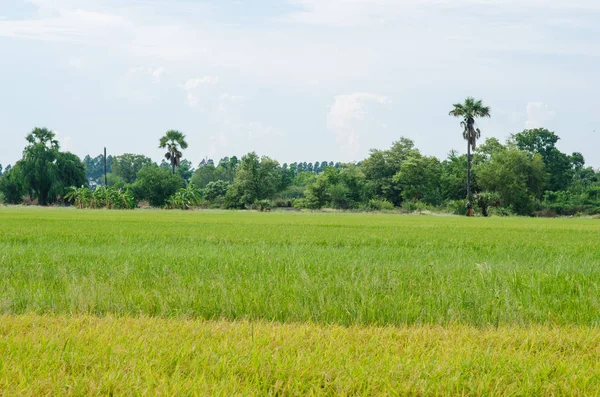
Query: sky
pixel 296 80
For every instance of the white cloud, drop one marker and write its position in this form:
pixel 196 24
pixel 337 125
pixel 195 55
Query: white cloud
pixel 538 115
pixel 192 84
pixel 345 117
pixel 155 74
pixel 66 142
pixel 377 12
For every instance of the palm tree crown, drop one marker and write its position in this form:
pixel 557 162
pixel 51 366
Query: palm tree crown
pixel 173 141
pixel 469 110
pixel 44 137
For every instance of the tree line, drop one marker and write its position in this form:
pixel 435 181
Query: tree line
pixel 526 175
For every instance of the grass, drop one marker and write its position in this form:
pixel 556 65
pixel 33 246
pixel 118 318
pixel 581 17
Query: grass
pixel 83 355
pixel 240 303
pixel 343 269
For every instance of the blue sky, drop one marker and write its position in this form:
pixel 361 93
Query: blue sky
pixel 297 80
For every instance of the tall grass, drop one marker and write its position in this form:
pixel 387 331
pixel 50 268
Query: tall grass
pixel 326 268
pixel 84 355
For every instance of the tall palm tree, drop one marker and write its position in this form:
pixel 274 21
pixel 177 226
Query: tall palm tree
pixel 174 142
pixel 43 137
pixel 469 111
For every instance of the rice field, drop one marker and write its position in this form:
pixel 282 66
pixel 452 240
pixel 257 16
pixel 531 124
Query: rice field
pixel 209 303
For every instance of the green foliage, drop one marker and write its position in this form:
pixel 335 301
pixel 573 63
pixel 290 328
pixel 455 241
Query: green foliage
pixel 419 179
pixel 468 111
pixel 485 200
pixel 559 166
pixel 12 184
pixel 127 166
pixel 457 207
pixel 94 168
pixel 379 205
pixel 116 181
pixel 156 185
pixel 216 191
pixel 453 179
pixel 101 197
pixel 262 205
pixel 70 171
pixel 174 141
pixel 185 198
pixel 316 195
pixel 516 176
pixel 255 179
pixel 39 164
pixel 185 169
pixel 382 165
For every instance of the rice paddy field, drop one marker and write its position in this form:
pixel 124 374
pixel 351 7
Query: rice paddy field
pixel 243 303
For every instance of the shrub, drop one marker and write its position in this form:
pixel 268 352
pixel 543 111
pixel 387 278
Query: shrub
pixel 156 184
pixel 457 207
pixel 262 205
pixel 283 203
pixel 300 203
pixel 101 197
pixel 379 205
pixel 185 198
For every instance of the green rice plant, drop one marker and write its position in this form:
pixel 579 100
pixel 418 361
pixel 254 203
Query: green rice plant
pixel 370 269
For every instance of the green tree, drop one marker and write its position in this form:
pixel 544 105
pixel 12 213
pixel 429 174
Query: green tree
pixel 70 171
pixel 94 168
pixel 156 185
pixel 12 184
pixel 39 164
pixel 216 191
pixel 317 194
pixel 453 181
pixel 419 179
pixel 127 166
pixel 560 166
pixel 185 169
pixel 204 175
pixel 469 110
pixel 517 176
pixel 255 179
pixel 174 141
pixel 381 166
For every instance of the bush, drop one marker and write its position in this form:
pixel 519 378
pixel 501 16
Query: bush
pixel 415 206
pixel 2 198
pixel 546 214
pixel 501 211
pixel 300 203
pixel 457 207
pixel 101 197
pixel 283 203
pixel 156 184
pixel 262 205
pixel 379 205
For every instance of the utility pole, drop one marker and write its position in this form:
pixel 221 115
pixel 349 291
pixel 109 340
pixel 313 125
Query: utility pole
pixel 105 178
